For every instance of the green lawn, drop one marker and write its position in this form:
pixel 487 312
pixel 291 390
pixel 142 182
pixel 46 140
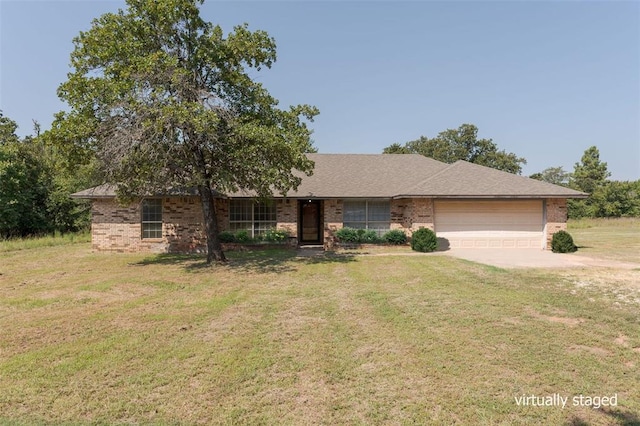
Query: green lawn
pixel 275 339
pixel 614 239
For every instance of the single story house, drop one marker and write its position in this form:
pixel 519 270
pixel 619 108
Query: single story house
pixel 466 204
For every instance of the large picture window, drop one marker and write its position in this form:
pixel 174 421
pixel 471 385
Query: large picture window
pixel 256 218
pixel 367 214
pixel 152 218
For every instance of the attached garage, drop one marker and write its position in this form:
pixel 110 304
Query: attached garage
pixel 490 223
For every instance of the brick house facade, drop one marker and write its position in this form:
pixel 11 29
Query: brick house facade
pixel 119 228
pixel 465 204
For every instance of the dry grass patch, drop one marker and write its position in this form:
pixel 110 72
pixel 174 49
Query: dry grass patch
pixel 272 338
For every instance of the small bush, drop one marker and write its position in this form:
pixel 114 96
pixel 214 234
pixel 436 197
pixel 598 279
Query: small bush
pixel 227 237
pixel 275 236
pixel 347 235
pixel 368 236
pixel 357 236
pixel 395 236
pixel 242 236
pixel 424 240
pixel 562 242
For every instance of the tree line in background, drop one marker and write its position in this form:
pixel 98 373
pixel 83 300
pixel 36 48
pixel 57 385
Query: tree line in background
pixel 36 179
pixel 608 198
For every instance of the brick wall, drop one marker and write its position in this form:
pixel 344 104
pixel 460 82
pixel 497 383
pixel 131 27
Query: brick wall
pixel 412 214
pixel 556 214
pixel 332 219
pixel 287 216
pixel 118 228
pixel 183 229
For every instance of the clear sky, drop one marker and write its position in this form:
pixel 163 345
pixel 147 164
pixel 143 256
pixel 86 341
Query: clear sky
pixel 544 80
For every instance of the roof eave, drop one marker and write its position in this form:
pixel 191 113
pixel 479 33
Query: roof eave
pixel 500 196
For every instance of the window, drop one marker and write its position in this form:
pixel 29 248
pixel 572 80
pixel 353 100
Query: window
pixel 375 215
pixel 256 218
pixel 152 218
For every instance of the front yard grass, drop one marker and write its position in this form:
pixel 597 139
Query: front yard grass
pixel 272 338
pixel 613 239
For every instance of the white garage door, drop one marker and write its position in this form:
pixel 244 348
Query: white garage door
pixel 487 224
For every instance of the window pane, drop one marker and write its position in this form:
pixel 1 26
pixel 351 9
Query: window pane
pixel 152 230
pixel 264 212
pixel 152 210
pixel 355 225
pixel 381 228
pixel 240 210
pixel 354 211
pixel 152 218
pixel 254 217
pixel 262 227
pixel 379 211
pixel 240 226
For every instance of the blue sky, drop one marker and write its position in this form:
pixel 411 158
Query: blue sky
pixel 545 80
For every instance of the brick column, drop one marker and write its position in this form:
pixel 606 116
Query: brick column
pixel 332 222
pixel 556 215
pixel 287 216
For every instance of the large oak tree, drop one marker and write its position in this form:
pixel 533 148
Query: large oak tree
pixel 462 143
pixel 166 100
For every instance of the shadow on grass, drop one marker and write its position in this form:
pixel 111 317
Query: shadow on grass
pixel 260 261
pixel 618 417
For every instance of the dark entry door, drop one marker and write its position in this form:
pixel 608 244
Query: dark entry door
pixel 310 221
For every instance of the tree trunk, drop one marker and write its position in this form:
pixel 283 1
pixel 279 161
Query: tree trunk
pixel 214 248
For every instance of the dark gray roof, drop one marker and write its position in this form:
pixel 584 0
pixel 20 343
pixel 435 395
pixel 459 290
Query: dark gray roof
pixel 398 176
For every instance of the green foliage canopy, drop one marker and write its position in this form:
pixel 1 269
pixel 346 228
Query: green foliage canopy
pixel 461 144
pixel 554 175
pixel 34 190
pixel 590 173
pixel 166 100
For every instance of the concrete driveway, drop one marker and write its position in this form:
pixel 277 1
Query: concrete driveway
pixel 533 258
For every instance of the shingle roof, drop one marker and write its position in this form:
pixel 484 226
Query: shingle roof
pixel 467 180
pixel 399 176
pixel 362 175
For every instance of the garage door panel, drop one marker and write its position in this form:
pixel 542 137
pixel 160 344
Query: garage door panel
pixel 490 224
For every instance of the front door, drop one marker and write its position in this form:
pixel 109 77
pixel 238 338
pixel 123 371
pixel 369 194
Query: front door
pixel 309 222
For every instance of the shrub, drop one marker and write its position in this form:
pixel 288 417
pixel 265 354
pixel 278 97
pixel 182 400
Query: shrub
pixel 227 237
pixel 424 240
pixel 562 242
pixel 372 237
pixel 357 236
pixel 242 236
pixel 395 236
pixel 275 236
pixel 368 236
pixel 347 235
